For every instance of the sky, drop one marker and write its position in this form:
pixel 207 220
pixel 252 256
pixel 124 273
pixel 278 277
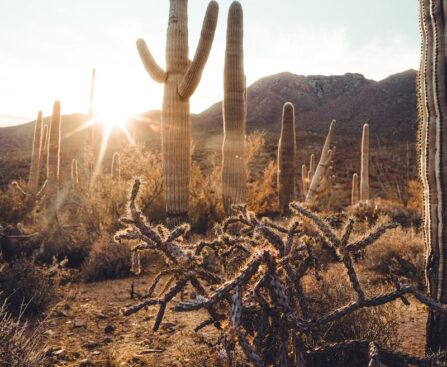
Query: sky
pixel 49 47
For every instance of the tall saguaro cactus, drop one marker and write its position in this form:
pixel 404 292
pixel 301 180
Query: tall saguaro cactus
pixel 234 112
pixel 355 194
pixel 180 79
pixel 432 105
pixel 323 166
pixel 53 158
pixel 36 155
pixel 364 170
pixel 287 158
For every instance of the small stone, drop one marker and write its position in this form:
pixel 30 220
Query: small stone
pixel 90 344
pixel 109 329
pixel 96 353
pixel 86 363
pixel 59 353
pixel 78 323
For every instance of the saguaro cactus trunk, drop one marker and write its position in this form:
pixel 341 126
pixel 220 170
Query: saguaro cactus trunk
pixel 234 112
pixel 36 155
pixel 74 174
pixel 322 168
pixel 180 80
pixel 355 194
pixel 53 157
pixel 287 158
pixel 364 170
pixel 433 159
pixel 116 166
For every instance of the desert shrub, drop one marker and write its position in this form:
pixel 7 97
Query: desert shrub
pixel 371 210
pixel 107 260
pixel 262 194
pixel 373 324
pixel 398 255
pixel 27 287
pixel 19 346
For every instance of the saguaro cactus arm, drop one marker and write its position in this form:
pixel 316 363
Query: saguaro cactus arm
pixel 154 70
pixel 192 77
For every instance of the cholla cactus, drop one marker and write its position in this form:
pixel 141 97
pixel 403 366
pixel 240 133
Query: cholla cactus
pixel 322 178
pixel 116 166
pixel 287 158
pixel 364 171
pixel 74 174
pixel 180 79
pixel 53 157
pixel 36 155
pixel 355 194
pixel 234 112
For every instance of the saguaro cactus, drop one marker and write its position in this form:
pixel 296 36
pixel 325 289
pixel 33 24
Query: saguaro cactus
pixel 287 158
pixel 53 158
pixel 433 157
pixel 74 174
pixel 92 94
pixel 364 170
pixel 304 180
pixel 116 166
pixel 234 112
pixel 321 171
pixel 36 155
pixel 180 80
pixel 355 194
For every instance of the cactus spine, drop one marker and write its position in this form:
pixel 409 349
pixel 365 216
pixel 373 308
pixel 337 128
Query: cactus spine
pixel 355 194
pixel 36 155
pixel 234 112
pixel 287 159
pixel 432 105
pixel 180 80
pixel 74 174
pixel 116 166
pixel 364 170
pixel 321 172
pixel 53 157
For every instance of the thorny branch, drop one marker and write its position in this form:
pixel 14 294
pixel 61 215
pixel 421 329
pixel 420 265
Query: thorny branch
pixel 264 302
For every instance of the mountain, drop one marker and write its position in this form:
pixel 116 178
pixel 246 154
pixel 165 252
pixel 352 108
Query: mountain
pixel 389 106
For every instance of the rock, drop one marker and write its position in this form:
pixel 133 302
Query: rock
pixel 90 344
pixel 60 353
pixel 78 323
pixel 86 363
pixel 96 353
pixel 109 329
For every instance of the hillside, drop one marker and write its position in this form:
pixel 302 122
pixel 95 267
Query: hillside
pixel 388 105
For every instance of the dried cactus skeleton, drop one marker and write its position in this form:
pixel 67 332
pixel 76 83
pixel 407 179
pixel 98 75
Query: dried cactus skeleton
pixel 264 305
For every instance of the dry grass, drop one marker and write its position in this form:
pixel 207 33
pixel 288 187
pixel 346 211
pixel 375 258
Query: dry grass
pixel 19 346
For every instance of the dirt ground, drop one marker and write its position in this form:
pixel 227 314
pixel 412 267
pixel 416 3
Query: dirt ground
pixel 87 329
